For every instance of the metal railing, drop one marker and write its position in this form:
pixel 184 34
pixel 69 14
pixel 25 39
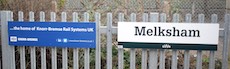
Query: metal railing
pixel 149 59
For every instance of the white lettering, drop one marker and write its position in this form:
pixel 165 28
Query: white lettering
pixel 32 39
pixel 78 30
pixel 24 28
pixel 41 28
pixel 54 29
pixel 21 39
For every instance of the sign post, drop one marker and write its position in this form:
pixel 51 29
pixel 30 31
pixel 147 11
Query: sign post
pixel 53 34
pixel 192 36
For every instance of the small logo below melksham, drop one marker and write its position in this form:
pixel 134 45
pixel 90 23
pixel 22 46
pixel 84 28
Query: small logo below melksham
pixel 166 46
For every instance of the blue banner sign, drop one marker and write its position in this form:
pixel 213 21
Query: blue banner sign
pixel 52 34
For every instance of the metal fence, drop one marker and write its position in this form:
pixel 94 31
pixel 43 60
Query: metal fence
pixel 170 7
pixel 206 7
pixel 56 58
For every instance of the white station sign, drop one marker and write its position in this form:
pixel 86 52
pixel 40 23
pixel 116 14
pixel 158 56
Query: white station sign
pixel 168 33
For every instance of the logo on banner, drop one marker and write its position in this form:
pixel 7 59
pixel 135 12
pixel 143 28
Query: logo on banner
pixel 13 39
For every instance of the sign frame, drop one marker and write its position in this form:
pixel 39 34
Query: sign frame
pixel 52 34
pixel 146 35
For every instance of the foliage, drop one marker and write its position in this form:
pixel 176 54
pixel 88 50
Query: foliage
pixel 61 4
pixel 3 4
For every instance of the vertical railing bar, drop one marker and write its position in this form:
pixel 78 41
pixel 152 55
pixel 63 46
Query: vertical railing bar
pixel 120 50
pixel 133 50
pixel 153 54
pixel 54 49
pixel 163 17
pixel 186 59
pixel 109 41
pixel 162 51
pixel 174 51
pixel 22 49
pixel 162 58
pixel 32 49
pixel 199 52
pixel 98 40
pixel 12 47
pixel 188 19
pixel 214 19
pixel 144 50
pixel 7 53
pixel 75 50
pixel 199 60
pixel 226 40
pixel 75 58
pixel 43 49
pixel 86 53
pixel 176 18
pixel 65 49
